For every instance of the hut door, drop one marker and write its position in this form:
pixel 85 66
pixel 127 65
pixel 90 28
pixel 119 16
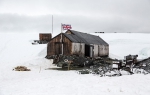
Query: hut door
pixel 58 48
pixel 91 51
pixel 87 50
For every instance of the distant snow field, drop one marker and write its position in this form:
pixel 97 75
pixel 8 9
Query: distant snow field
pixel 16 49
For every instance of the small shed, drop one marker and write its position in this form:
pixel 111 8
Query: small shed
pixel 77 43
pixel 45 36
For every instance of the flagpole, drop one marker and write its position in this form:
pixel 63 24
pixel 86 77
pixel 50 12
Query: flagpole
pixel 52 24
pixel 61 39
pixel 61 27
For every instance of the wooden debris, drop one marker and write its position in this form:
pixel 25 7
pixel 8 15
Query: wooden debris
pixel 21 68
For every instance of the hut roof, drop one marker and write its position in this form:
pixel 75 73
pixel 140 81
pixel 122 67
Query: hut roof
pixel 88 39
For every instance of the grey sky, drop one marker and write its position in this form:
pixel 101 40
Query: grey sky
pixel 83 15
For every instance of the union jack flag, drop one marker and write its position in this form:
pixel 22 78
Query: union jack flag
pixel 66 26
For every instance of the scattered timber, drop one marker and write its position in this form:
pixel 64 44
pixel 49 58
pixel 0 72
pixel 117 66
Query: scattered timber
pixel 103 66
pixel 21 68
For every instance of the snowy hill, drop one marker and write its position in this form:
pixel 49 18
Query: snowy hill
pixel 16 49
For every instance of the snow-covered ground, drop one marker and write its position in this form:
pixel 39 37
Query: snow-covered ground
pixel 16 49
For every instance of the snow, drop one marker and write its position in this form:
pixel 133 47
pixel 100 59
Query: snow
pixel 16 49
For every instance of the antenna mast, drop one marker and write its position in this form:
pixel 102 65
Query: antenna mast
pixel 52 24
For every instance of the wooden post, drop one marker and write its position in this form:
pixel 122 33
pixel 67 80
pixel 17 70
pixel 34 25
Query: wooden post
pixel 69 62
pixel 68 65
pixel 52 24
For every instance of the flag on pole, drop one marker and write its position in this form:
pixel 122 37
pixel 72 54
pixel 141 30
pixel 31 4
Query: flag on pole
pixel 66 26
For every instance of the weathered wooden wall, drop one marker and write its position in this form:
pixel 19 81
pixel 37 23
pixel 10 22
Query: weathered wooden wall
pixel 78 48
pixel 55 46
pixel 95 50
pixel 107 50
pixel 68 32
pixel 45 36
pixel 67 46
pixel 103 50
pixel 99 50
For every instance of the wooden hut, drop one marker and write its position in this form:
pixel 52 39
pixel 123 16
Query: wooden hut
pixel 78 43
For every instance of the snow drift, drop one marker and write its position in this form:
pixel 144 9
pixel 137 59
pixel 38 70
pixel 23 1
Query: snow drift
pixel 16 49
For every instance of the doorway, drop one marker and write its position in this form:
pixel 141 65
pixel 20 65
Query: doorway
pixel 89 50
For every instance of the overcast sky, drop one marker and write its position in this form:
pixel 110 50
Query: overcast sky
pixel 83 15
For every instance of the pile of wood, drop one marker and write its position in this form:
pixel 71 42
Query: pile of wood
pixel 21 68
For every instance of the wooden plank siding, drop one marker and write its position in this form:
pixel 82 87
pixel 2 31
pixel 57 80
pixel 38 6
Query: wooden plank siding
pixel 103 50
pixel 68 32
pixel 78 49
pixel 107 50
pixel 67 46
pixel 45 36
pixel 55 46
pixel 95 50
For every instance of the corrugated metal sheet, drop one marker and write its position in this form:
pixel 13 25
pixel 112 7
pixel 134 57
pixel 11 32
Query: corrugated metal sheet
pixel 88 39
